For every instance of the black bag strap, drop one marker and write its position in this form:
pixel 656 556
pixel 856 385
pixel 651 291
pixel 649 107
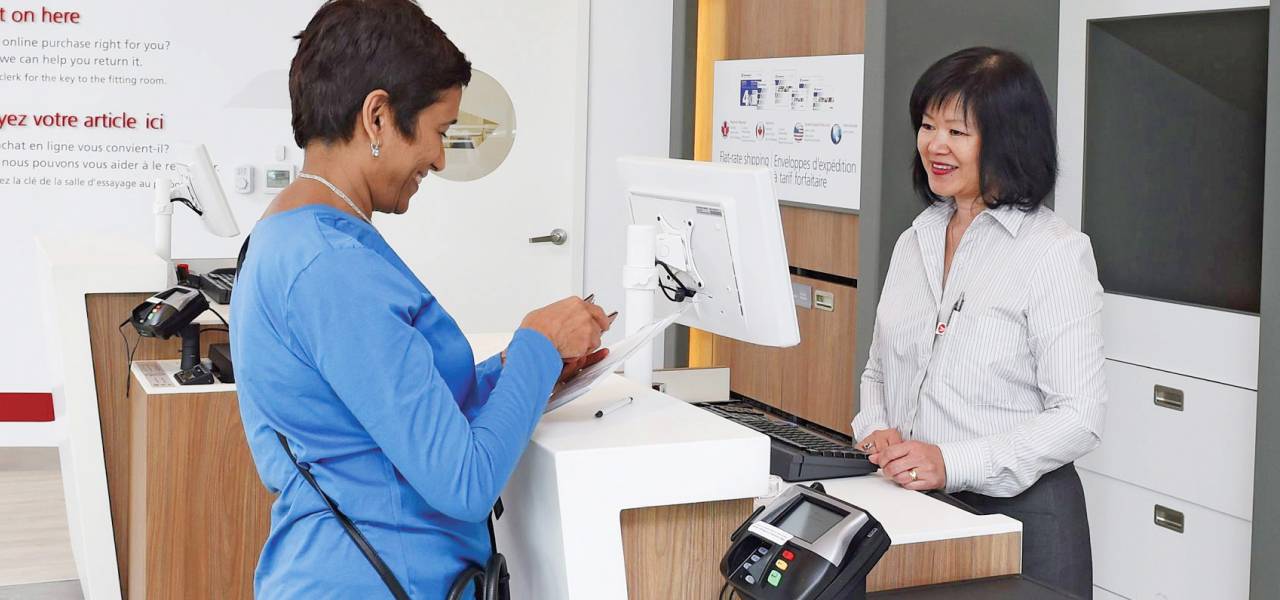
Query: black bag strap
pixel 365 547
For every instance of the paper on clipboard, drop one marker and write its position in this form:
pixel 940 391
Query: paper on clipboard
pixel 618 353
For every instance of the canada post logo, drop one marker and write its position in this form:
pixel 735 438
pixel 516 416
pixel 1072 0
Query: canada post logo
pixel 724 129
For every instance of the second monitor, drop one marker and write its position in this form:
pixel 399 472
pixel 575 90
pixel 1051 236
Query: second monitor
pixel 718 234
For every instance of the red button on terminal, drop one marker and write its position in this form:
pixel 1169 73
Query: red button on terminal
pixel 788 555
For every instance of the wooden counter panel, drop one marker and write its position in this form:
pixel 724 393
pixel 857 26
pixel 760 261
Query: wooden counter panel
pixel 673 552
pixel 111 374
pixel 959 559
pixel 199 514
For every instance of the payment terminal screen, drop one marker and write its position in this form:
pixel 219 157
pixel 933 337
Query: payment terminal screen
pixel 808 521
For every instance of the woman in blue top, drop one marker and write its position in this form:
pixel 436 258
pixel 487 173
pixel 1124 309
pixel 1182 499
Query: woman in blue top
pixel 343 351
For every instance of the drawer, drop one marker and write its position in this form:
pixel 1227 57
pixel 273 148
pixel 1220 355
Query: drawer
pixel 1136 558
pixel 1101 594
pixel 1211 344
pixel 1202 453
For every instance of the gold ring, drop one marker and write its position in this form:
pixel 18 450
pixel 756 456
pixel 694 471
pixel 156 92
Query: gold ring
pixel 913 474
pixel 868 445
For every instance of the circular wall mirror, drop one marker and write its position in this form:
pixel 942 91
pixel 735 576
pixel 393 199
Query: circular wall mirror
pixel 486 129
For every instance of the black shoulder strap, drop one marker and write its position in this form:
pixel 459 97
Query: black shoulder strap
pixel 365 547
pixel 244 249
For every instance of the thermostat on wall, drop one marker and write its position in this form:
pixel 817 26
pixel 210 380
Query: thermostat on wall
pixel 277 177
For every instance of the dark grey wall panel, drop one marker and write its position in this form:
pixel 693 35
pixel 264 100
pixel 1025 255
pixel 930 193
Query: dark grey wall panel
pixel 904 37
pixel 1266 484
pixel 1174 156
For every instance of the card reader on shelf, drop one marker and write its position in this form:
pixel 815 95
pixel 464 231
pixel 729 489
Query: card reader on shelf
pixel 799 450
pixel 805 545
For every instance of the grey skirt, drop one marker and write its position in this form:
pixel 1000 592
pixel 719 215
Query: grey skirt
pixel 1055 529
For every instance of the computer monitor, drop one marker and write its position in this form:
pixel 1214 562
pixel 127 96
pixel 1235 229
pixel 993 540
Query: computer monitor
pixel 719 234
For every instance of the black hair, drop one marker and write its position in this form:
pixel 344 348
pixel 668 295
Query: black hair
pixel 353 47
pixel 1004 98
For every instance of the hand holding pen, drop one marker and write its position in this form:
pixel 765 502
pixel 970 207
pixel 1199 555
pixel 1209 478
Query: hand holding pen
pixel 574 364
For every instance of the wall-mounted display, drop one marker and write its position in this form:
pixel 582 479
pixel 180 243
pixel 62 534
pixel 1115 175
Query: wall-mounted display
pixel 801 117
pixel 1173 170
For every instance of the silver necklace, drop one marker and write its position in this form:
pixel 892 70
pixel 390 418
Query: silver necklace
pixel 339 193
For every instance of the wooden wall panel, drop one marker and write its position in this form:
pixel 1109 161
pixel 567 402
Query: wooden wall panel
pixel 673 552
pixel 815 380
pixel 818 382
pixel 755 371
pixel 773 28
pixel 822 241
pixel 110 372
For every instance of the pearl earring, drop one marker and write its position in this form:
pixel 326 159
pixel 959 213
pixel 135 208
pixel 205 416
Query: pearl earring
pixel 376 149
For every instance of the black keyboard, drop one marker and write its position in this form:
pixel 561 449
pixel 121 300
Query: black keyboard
pixel 798 452
pixel 217 285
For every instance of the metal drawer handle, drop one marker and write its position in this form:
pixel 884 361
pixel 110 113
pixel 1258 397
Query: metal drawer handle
pixel 1170 398
pixel 1169 519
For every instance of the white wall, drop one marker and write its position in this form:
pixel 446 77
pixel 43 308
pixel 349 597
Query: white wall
pixel 223 92
pixel 629 113
pixel 207 67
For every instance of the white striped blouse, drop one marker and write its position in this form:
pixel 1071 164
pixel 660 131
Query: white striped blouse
pixel 1013 388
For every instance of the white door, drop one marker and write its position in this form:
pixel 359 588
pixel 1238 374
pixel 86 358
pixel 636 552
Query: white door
pixel 469 241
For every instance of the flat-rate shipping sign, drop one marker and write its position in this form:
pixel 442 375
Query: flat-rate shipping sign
pixel 801 117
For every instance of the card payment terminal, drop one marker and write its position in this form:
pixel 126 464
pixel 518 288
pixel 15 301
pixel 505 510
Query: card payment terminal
pixel 805 545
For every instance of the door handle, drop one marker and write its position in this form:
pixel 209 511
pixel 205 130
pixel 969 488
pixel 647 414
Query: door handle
pixel 557 236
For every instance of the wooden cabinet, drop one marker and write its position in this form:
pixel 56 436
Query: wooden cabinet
pixel 815 380
pixel 818 382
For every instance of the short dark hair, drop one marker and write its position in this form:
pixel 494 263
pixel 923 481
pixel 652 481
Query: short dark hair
pixel 353 47
pixel 1005 99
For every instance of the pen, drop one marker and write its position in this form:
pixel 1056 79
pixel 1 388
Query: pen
pixel 955 308
pixel 612 407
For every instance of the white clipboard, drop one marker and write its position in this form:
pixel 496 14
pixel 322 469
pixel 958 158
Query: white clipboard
pixel 619 352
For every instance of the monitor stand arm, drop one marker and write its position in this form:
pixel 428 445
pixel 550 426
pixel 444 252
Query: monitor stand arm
pixel 640 280
pixel 162 208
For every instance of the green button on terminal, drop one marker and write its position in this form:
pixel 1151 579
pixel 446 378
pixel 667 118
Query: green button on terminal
pixel 775 578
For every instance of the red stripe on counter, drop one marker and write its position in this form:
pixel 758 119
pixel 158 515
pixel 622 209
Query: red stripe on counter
pixel 27 407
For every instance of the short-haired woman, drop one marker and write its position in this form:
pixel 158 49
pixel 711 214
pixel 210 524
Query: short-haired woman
pixel 985 377
pixel 349 358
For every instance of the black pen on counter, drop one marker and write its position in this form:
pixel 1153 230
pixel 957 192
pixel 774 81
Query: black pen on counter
pixel 612 407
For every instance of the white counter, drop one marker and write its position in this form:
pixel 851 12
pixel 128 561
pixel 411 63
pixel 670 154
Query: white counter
pixel 912 517
pixel 156 377
pixel 561 531
pixel 74 267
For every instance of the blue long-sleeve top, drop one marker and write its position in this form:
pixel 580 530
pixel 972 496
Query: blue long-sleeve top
pixel 339 347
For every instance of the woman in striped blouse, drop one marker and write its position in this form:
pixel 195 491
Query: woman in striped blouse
pixel 985 377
